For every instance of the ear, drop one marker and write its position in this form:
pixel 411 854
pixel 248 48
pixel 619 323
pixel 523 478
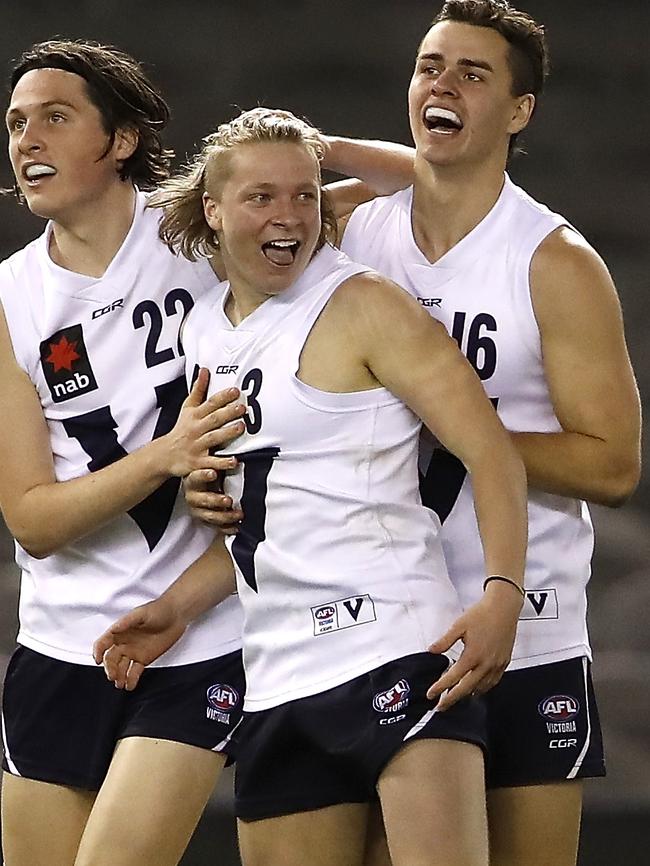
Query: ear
pixel 126 142
pixel 522 113
pixel 212 212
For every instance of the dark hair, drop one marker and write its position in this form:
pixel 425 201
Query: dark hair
pixel 119 88
pixel 528 51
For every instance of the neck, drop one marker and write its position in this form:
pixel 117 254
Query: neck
pixel 450 201
pixel 87 241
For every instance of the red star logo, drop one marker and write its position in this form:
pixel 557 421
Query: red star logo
pixel 63 354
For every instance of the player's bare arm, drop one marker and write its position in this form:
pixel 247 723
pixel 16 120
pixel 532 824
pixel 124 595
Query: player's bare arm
pixel 145 633
pixel 43 514
pixel 402 348
pixel 375 168
pixel 596 456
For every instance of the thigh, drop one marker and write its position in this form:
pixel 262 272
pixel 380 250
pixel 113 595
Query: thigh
pixel 150 802
pixel 433 801
pixel 376 853
pixel 331 836
pixel 535 825
pixel 543 726
pixel 41 822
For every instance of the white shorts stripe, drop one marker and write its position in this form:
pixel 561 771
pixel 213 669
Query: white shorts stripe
pixel 222 745
pixel 10 763
pixel 574 770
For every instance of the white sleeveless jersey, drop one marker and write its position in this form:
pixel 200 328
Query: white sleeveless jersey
pixel 105 359
pixel 339 567
pixel 480 291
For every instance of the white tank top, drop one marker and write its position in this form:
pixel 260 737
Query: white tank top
pixel 105 359
pixel 480 291
pixel 339 566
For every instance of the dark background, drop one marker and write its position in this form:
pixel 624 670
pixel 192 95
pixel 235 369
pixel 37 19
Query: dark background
pixel 346 66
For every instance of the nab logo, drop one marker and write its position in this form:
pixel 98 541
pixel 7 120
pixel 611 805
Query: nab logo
pixel 430 302
pixel 222 697
pixel 109 309
pixel 559 708
pixel 66 365
pixel 227 368
pixel 393 699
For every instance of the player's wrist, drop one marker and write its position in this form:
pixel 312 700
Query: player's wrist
pixel 502 585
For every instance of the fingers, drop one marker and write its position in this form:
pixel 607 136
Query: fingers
pixel 133 674
pixel 449 638
pixel 200 479
pixel 199 388
pixel 102 645
pixel 465 677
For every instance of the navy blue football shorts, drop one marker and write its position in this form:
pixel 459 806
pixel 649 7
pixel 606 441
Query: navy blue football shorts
pixel 62 721
pixel 332 747
pixel 543 726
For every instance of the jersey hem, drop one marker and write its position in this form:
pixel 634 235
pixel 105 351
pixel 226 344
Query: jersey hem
pixel 577 651
pixel 77 658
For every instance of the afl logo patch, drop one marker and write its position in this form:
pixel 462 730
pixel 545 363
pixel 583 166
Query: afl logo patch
pixel 559 708
pixel 66 365
pixel 222 697
pixel 326 612
pixel 393 699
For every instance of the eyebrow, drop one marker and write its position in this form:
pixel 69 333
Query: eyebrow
pixel 12 111
pixel 463 61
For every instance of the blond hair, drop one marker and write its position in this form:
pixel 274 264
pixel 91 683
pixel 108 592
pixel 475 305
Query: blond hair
pixel 183 226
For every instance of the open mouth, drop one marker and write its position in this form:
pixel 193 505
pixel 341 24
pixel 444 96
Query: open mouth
pixel 442 121
pixel 281 252
pixel 37 171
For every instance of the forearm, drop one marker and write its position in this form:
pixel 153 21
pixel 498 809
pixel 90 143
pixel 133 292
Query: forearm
pixel 500 500
pixel 54 514
pixel 207 582
pixel 385 167
pixel 579 466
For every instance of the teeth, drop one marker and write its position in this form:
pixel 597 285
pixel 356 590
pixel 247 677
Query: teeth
pixel 39 170
pixel 283 244
pixel 433 113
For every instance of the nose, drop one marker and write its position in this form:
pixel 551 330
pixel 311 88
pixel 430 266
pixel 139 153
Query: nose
pixel 28 140
pixel 445 84
pixel 285 214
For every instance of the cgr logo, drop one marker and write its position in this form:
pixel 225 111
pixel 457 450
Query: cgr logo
pixel 109 309
pixel 563 744
pixel 559 708
pixel 227 368
pixel 430 302
pixel 222 697
pixel 66 365
pixel 393 699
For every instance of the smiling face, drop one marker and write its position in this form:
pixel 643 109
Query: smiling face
pixel 266 216
pixel 461 106
pixel 56 144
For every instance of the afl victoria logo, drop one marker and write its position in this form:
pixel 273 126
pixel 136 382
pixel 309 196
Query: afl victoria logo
pixel 559 708
pixel 393 699
pixel 326 612
pixel 222 697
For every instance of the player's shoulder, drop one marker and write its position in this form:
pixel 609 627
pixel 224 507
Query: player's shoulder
pixel 565 250
pixel 16 269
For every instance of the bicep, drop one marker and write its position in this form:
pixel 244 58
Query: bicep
pixel 412 355
pixel 585 357
pixel 25 452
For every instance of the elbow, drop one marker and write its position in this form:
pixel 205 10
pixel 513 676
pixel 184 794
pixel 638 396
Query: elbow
pixel 620 485
pixel 37 548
